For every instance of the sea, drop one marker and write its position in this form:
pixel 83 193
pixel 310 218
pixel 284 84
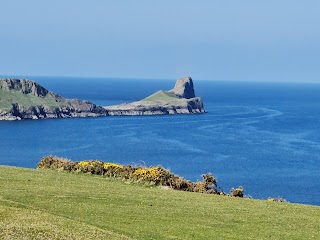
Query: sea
pixel 261 136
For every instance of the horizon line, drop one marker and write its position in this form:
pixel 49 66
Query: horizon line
pixel 150 78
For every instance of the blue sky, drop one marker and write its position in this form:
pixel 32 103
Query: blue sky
pixel 274 40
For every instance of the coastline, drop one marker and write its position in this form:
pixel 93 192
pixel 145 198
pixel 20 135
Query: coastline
pixel 36 102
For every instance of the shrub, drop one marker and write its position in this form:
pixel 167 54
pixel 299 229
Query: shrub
pixel 179 183
pixel 56 163
pixel 146 174
pixel 92 167
pixel 199 187
pixel 237 192
pixel 210 183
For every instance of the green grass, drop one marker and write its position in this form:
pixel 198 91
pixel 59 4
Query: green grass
pixel 162 96
pixel 42 204
pixel 164 99
pixel 24 223
pixel 26 100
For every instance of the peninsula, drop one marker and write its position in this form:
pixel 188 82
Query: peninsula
pixel 26 99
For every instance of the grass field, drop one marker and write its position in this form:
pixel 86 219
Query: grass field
pixel 44 204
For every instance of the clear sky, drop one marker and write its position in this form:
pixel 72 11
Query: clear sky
pixel 271 40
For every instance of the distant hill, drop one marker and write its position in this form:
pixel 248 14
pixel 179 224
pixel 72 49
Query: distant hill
pixel 26 99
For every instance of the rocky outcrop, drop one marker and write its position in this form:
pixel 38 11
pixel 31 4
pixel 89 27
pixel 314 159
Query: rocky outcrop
pixel 19 112
pixel 180 100
pixel 184 88
pixel 24 86
pixel 26 99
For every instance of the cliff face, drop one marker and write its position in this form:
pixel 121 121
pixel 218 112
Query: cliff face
pixel 184 88
pixel 180 100
pixel 24 86
pixel 26 99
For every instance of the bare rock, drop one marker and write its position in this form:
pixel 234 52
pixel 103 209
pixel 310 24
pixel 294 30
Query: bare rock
pixel 24 86
pixel 184 88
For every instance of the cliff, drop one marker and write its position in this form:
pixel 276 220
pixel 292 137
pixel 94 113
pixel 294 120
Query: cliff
pixel 26 99
pixel 180 100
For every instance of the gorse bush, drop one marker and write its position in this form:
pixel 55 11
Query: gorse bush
pixel 93 167
pixel 237 192
pixel 210 183
pixel 56 163
pixel 155 175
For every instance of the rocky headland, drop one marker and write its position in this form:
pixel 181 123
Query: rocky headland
pixel 180 100
pixel 26 99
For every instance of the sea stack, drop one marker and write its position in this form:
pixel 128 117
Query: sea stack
pixel 184 88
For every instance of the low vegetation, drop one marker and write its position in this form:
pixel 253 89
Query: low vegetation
pixel 27 100
pixel 157 176
pixel 46 204
pixel 161 95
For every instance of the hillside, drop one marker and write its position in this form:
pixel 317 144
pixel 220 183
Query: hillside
pixel 44 204
pixel 26 99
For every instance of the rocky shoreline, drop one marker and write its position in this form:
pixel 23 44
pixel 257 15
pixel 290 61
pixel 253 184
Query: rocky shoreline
pixel 192 106
pixel 18 112
pixel 25 99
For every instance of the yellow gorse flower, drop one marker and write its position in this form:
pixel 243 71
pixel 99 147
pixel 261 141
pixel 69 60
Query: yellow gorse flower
pixel 106 165
pixel 153 173
pixel 83 163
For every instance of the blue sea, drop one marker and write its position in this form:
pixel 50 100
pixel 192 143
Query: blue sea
pixel 262 136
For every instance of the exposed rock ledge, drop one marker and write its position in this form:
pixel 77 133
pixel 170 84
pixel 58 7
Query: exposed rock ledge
pixel 26 99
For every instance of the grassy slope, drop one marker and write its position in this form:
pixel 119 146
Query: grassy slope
pixel 164 96
pixel 23 223
pixel 27 100
pixel 161 95
pixel 66 204
pixel 165 99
